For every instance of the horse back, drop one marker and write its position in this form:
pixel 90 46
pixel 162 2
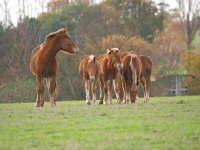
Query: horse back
pixel 146 65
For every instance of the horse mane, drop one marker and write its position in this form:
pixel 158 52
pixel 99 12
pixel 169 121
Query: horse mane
pixel 113 49
pixel 134 73
pixel 49 36
pixel 57 32
pixel 91 58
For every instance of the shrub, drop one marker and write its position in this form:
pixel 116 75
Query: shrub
pixel 19 91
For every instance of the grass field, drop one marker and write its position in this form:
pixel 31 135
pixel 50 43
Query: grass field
pixel 163 123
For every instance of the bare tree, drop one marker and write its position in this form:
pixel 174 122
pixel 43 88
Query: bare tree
pixel 189 16
pixel 6 12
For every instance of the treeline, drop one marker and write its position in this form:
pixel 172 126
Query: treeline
pixel 138 25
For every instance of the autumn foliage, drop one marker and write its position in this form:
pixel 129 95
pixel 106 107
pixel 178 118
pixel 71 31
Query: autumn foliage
pixel 191 63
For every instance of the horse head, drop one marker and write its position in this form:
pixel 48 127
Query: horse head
pixel 114 54
pixel 65 42
pixel 91 67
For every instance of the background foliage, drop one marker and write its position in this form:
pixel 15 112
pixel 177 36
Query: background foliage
pixel 138 25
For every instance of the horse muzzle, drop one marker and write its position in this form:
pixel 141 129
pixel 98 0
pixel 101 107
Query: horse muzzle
pixel 76 51
pixel 92 78
pixel 120 66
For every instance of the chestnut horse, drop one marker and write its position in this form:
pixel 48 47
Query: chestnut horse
pixel 44 63
pixel 145 77
pixel 131 75
pixel 109 63
pixel 89 71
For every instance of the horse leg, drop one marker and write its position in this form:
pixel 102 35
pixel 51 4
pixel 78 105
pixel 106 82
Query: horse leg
pixel 143 83
pixel 94 91
pixel 116 92
pixel 122 92
pixel 40 92
pixel 105 92
pixel 87 91
pixel 147 88
pixel 101 91
pixel 52 87
pixel 127 89
pixel 109 83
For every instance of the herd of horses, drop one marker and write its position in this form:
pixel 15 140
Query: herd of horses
pixel 121 71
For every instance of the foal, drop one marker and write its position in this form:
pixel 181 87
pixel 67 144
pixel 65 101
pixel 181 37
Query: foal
pixel 89 71
pixel 110 64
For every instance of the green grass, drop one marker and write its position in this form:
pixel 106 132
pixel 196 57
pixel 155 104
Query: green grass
pixel 163 123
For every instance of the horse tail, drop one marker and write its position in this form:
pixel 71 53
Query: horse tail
pixel 134 73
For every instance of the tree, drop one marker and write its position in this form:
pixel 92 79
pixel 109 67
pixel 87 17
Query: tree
pixel 169 46
pixel 139 14
pixel 191 61
pixel 99 22
pixel 190 18
pixel 6 13
pixel 169 43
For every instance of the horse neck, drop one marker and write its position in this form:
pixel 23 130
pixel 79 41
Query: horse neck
pixel 111 63
pixel 51 50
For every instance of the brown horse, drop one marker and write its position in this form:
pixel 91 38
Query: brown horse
pixel 109 63
pixel 145 77
pixel 131 75
pixel 44 63
pixel 89 71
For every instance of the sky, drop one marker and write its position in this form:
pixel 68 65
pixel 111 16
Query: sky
pixel 34 10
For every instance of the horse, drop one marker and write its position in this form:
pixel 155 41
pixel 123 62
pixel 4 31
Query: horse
pixel 131 72
pixel 44 63
pixel 109 63
pixel 145 77
pixel 89 71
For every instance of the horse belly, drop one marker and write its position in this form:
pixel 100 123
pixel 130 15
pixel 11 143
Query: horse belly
pixel 49 70
pixel 110 75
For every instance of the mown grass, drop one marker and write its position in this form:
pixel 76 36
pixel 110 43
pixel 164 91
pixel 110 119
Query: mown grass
pixel 163 123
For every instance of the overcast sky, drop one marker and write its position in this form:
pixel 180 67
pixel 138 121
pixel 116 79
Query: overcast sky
pixel 34 10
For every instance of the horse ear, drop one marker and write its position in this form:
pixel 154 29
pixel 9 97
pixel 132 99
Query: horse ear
pixel 119 47
pixel 109 51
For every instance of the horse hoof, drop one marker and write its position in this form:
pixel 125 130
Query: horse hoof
pixel 100 102
pixel 88 104
pixel 38 105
